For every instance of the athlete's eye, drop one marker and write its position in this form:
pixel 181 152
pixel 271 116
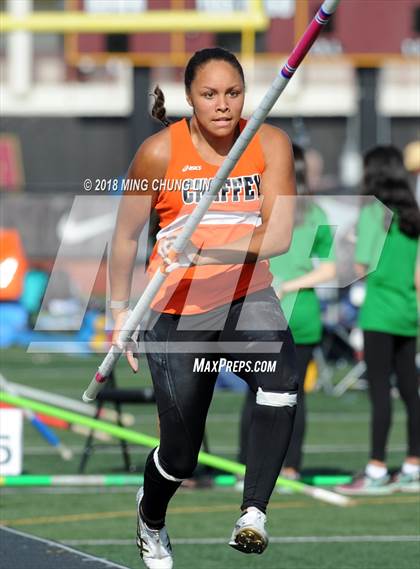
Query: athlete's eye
pixel 208 95
pixel 234 93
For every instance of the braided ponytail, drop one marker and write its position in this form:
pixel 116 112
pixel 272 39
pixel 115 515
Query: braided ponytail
pixel 158 110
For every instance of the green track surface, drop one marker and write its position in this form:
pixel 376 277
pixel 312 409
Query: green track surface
pixel 337 441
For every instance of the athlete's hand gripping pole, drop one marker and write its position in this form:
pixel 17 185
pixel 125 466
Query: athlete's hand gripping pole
pixel 321 18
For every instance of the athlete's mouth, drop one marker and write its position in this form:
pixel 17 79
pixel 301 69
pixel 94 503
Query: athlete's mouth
pixel 222 120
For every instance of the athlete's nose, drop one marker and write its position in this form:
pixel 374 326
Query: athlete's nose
pixel 222 104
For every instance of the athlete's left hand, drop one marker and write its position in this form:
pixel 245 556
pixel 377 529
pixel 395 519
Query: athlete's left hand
pixel 130 348
pixel 174 260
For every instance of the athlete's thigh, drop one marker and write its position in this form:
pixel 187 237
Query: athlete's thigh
pixel 265 346
pixel 183 390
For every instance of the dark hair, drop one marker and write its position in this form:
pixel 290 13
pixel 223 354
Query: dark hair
pixel 300 174
pixel 386 178
pixel 199 59
pixel 203 56
pixel 158 110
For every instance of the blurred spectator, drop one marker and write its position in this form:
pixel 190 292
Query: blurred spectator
pixel 388 316
pixel 412 163
pixel 294 279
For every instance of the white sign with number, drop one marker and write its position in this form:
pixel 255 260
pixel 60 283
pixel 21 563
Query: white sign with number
pixel 11 427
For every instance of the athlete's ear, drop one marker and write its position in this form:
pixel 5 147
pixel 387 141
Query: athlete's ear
pixel 189 100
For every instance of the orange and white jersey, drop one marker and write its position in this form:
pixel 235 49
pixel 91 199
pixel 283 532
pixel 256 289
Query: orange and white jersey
pixel 234 213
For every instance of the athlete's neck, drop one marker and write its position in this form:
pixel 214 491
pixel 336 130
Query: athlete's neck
pixel 212 148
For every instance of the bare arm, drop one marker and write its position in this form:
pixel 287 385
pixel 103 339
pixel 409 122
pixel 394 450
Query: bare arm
pixel 360 270
pixel 325 272
pixel 149 163
pixel 278 190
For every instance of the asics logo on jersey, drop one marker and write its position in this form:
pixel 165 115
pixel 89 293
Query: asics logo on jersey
pixel 189 168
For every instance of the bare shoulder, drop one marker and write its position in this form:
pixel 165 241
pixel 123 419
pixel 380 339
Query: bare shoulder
pixel 274 139
pixel 153 155
pixel 158 145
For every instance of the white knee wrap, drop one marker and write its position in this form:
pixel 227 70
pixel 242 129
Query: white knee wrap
pixel 276 399
pixel 162 471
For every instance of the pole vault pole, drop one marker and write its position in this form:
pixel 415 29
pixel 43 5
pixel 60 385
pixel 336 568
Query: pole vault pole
pixel 205 458
pixel 303 46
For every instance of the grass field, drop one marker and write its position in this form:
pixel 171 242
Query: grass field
pixel 378 532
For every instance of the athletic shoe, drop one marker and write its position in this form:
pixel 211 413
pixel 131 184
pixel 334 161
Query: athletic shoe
pixel 249 535
pixel 154 545
pixel 363 485
pixel 406 482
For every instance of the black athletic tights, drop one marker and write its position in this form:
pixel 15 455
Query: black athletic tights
pixel 385 353
pixel 244 331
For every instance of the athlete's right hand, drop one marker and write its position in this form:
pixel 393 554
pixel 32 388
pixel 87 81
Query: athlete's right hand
pixel 185 259
pixel 130 349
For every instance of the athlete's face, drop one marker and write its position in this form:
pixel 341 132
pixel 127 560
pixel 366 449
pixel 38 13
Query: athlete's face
pixel 217 97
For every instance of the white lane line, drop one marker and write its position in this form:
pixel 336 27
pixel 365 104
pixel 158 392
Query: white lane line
pixel 309 449
pixel 312 417
pixel 10 490
pixel 291 539
pixel 58 545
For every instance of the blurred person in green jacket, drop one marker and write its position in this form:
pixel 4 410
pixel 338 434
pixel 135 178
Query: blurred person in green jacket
pixel 388 317
pixel 295 276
